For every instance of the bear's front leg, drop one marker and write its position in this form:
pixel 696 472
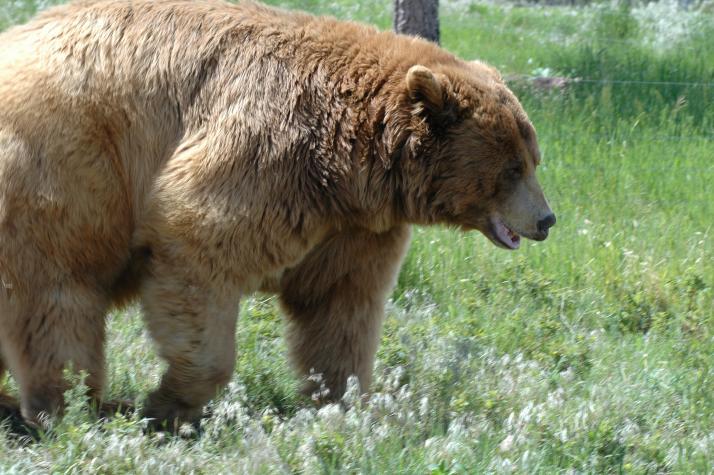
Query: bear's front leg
pixel 335 305
pixel 191 314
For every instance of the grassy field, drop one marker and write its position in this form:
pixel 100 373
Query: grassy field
pixel 592 352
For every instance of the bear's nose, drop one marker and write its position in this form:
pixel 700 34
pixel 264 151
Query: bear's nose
pixel 546 223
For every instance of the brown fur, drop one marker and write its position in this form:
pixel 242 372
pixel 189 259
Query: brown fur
pixel 194 152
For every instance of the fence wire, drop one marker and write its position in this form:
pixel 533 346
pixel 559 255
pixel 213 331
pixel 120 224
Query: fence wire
pixel 634 82
pixel 564 82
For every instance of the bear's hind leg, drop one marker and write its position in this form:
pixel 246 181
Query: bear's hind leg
pixel 9 407
pixel 335 303
pixel 3 371
pixel 63 326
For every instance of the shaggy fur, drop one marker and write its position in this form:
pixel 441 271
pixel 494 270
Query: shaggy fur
pixel 189 153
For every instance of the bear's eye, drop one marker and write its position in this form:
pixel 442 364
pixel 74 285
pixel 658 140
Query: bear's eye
pixel 514 173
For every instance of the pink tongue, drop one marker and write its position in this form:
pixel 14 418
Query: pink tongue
pixel 506 236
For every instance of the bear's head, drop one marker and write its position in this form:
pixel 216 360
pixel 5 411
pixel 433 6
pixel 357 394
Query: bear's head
pixel 467 154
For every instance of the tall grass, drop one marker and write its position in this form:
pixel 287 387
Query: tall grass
pixel 591 352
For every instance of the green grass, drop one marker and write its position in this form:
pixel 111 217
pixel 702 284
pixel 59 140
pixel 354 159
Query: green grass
pixel 591 352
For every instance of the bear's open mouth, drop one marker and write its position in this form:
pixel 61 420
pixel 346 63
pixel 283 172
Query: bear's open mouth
pixel 504 235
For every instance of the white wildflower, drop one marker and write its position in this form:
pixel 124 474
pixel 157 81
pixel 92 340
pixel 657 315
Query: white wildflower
pixel 352 396
pixel 507 443
pixel 332 415
pixel 424 406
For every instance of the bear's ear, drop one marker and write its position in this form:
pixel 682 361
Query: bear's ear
pixel 424 87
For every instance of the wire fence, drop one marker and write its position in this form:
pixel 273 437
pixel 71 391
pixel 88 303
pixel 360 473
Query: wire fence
pixel 623 139
pixel 568 81
pixel 562 83
pixel 619 138
pixel 561 80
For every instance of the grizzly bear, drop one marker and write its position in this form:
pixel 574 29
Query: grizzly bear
pixel 188 153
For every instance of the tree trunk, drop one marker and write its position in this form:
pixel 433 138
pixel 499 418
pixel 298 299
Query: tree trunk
pixel 417 17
